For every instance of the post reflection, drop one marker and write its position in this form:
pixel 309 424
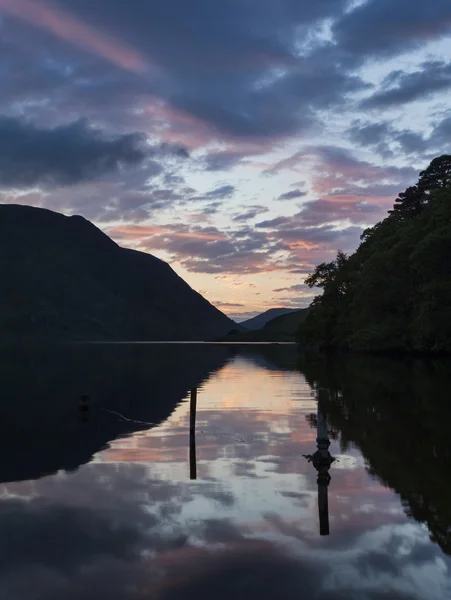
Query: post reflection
pixel 192 435
pixel 322 461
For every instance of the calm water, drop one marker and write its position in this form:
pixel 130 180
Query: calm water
pixel 103 504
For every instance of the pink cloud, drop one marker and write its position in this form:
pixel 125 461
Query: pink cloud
pixel 140 232
pixel 220 304
pixel 342 178
pixel 178 126
pixel 72 29
pixel 175 125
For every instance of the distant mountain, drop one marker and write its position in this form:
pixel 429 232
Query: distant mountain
pixel 286 324
pixel 260 320
pixel 279 329
pixel 63 278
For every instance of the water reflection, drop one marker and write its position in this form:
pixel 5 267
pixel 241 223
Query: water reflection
pixel 63 405
pixel 192 435
pixel 322 460
pixel 216 500
pixel 397 412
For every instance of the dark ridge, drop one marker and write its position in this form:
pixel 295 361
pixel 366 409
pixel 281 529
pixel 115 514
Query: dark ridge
pixel 260 320
pixel 62 278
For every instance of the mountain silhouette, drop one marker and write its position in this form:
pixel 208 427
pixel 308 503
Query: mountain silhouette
pixel 62 278
pixel 260 320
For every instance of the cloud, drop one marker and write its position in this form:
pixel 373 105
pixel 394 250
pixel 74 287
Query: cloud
pixel 411 142
pixel 216 84
pixel 386 139
pixel 222 160
pixel 291 195
pixel 354 194
pixel 220 193
pixel 71 29
pixel 132 195
pixel 254 71
pixel 337 172
pixel 209 69
pixel 383 28
pixel 303 232
pixel 399 88
pixel 441 134
pixel 220 304
pixel 91 535
pixel 111 205
pixel 299 287
pixel 204 249
pixel 340 164
pixel 64 155
pixel 252 212
pixel 212 209
pixel 314 234
pixel 370 134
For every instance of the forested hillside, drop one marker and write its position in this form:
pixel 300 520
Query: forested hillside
pixel 279 329
pixel 394 292
pixel 263 318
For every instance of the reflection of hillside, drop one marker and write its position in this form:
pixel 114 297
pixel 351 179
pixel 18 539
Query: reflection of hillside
pixel 398 413
pixel 273 357
pixel 40 432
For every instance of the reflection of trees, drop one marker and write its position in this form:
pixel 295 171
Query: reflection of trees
pixel 273 357
pixel 332 432
pixel 398 414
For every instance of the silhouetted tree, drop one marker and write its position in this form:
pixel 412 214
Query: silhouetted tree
pixel 394 292
pixel 410 203
pixel 437 175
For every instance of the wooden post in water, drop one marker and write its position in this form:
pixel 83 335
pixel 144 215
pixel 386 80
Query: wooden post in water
pixel 192 435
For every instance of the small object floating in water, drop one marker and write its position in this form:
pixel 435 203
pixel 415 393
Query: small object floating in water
pixel 83 408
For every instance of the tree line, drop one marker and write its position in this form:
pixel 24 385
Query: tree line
pixel 393 294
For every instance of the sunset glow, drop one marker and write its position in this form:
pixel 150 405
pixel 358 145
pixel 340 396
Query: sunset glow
pixel 250 141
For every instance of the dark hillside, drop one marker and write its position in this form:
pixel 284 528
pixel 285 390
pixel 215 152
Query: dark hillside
pixel 63 278
pixel 280 329
pixel 260 320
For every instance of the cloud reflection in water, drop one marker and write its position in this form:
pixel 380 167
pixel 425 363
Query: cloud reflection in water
pixel 132 525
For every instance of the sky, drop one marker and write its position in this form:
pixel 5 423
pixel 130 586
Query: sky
pixel 242 141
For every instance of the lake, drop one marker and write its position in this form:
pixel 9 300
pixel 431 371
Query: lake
pixel 189 472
